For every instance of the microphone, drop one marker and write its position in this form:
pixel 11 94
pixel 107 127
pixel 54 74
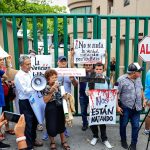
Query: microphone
pixel 116 85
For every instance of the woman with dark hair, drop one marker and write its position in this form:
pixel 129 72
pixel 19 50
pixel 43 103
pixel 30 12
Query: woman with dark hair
pixel 54 113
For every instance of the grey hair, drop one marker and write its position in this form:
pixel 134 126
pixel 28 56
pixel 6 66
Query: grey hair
pixel 22 59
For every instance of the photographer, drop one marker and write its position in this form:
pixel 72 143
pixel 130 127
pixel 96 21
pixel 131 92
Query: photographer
pixel 147 96
pixel 54 113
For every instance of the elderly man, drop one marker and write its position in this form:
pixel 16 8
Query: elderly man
pixel 23 86
pixel 131 93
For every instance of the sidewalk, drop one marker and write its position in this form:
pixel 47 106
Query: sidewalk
pixel 79 140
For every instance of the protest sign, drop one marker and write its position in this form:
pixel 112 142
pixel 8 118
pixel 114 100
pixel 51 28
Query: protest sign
pixel 78 72
pixel 102 107
pixel 3 54
pixel 89 51
pixel 40 63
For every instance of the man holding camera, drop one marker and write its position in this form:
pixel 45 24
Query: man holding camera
pixel 130 93
pixel 147 96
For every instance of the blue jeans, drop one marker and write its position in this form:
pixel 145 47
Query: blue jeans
pixel 134 117
pixel 84 101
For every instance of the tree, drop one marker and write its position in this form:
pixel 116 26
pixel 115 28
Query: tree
pixel 22 6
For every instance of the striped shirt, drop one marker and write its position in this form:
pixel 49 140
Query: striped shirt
pixel 130 92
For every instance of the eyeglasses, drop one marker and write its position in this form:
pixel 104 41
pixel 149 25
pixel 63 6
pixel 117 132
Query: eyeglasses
pixel 87 65
pixel 98 69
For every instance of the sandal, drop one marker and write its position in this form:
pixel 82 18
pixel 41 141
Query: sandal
pixel 10 131
pixel 65 146
pixel 53 146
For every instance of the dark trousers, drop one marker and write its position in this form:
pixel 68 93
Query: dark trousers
pixel 84 101
pixel 134 117
pixel 31 122
pixel 102 127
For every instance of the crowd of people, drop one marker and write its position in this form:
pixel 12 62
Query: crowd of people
pixel 131 99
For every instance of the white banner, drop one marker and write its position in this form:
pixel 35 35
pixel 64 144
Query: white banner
pixel 40 63
pixel 102 107
pixel 89 51
pixel 38 106
pixel 77 72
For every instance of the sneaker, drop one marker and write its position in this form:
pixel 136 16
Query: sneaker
pixel 107 144
pixel 132 147
pixel 84 128
pixel 66 133
pixel 146 132
pixel 45 136
pixel 94 141
pixel 4 146
pixel 124 144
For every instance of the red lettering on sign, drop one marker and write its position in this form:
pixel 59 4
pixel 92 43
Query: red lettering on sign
pixel 144 49
pixel 147 50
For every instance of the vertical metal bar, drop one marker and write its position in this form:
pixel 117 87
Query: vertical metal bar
pixel 35 39
pixel 99 27
pixel 56 39
pixel 117 48
pixel 15 39
pixel 75 36
pixel 5 35
pixel 95 27
pixel 65 36
pixel 45 35
pixel 144 64
pixel 85 27
pixel 108 45
pixel 126 52
pixel 136 32
pixel 25 38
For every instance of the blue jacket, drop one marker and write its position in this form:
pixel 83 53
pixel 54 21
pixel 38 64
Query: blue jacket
pixel 147 86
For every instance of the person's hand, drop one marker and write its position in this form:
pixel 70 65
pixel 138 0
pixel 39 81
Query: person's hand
pixel 144 103
pixel 72 52
pixel 119 110
pixel 2 120
pixel 72 78
pixel 20 127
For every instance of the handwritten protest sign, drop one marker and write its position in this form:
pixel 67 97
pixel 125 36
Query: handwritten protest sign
pixel 78 72
pixel 102 107
pixel 89 51
pixel 40 63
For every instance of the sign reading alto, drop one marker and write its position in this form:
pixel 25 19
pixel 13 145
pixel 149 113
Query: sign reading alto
pixel 144 49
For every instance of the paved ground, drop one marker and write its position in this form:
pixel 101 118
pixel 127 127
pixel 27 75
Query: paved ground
pixel 79 140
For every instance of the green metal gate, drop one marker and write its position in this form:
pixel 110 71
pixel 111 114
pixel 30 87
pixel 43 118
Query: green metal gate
pixel 99 24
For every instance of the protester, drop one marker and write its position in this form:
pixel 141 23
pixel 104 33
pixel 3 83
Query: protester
pixel 98 73
pixel 112 69
pixel 65 80
pixel 54 113
pixel 23 86
pixel 130 91
pixel 147 97
pixel 2 101
pixel 83 98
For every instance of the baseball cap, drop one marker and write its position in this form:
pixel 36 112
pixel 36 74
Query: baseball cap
pixel 134 67
pixel 60 58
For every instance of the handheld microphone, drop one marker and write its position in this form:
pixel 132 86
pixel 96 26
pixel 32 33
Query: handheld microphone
pixel 116 85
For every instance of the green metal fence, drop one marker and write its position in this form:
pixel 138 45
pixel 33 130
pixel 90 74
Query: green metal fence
pixel 101 28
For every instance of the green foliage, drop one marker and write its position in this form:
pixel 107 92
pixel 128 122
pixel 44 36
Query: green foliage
pixel 22 6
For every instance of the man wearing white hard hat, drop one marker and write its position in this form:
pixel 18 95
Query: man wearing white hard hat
pixel 130 92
